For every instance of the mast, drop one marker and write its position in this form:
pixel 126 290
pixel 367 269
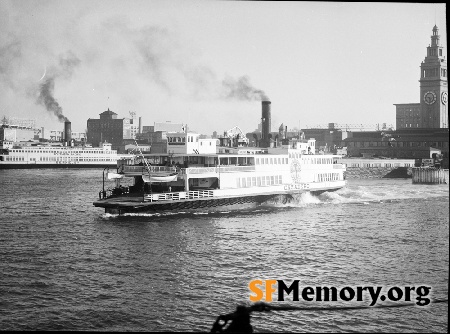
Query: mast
pixel 146 164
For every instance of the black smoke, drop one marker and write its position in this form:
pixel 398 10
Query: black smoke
pixel 241 89
pixel 164 59
pixel 45 95
pixel 46 99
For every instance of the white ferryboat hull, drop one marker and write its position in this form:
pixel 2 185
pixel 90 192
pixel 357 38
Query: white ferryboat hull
pixel 213 198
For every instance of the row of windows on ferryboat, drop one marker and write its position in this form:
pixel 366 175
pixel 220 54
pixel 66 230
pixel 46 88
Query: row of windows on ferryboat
pixel 62 151
pixel 324 177
pixel 21 158
pixel 379 165
pixel 258 181
pixel 311 160
pixel 303 160
pixel 261 181
pixel 251 161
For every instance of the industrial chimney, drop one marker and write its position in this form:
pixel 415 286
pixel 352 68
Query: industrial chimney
pixel 67 132
pixel 265 124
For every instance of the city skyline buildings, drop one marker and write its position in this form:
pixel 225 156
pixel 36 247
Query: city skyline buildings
pixel 316 62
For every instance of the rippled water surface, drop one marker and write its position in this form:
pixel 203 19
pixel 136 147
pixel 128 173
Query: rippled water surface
pixel 65 265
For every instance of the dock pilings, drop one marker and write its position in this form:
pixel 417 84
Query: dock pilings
pixel 429 175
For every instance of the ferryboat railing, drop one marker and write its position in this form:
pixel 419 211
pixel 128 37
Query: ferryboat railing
pixel 176 196
pixel 110 192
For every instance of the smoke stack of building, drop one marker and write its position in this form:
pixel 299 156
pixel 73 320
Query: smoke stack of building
pixel 265 124
pixel 68 132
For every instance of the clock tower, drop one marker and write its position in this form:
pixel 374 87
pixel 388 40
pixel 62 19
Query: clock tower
pixel 433 86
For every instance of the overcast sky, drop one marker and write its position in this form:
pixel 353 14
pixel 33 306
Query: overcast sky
pixel 209 63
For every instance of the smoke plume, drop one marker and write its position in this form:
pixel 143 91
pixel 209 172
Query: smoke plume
pixel 45 96
pixel 241 89
pixel 46 99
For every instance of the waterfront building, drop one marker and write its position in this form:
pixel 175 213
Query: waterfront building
pixel 408 115
pixel 156 135
pixel 431 111
pixel 190 143
pixel 402 143
pixel 328 139
pixel 16 133
pixel 135 125
pixel 108 128
pixel 58 135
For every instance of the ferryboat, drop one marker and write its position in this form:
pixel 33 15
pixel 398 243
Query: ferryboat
pixel 198 173
pixel 58 156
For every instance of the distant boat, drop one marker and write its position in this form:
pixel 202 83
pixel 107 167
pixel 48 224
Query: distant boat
pixel 50 156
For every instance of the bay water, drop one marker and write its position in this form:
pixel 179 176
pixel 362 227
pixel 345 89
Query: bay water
pixel 66 265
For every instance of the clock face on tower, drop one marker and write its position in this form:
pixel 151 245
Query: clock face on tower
pixel 444 97
pixel 429 97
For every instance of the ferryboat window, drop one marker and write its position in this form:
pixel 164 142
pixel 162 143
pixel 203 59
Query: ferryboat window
pixel 251 161
pixel 271 161
pixel 244 184
pixel 259 181
pixel 249 181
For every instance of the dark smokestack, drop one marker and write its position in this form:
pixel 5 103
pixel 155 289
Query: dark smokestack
pixel 265 123
pixel 67 132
